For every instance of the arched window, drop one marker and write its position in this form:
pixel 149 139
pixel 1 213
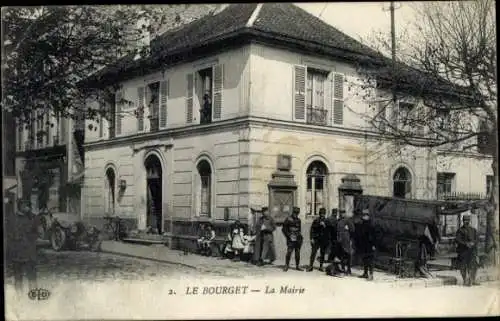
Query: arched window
pixel 316 194
pixel 204 188
pixel 110 191
pixel 402 183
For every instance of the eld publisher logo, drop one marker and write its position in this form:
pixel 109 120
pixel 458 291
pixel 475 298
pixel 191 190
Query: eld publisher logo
pixel 39 294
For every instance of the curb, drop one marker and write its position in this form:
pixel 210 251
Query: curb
pixel 409 283
pixel 148 258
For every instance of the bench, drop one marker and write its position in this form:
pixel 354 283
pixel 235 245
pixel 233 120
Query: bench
pixel 189 243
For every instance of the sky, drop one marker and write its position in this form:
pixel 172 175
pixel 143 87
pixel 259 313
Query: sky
pixel 360 19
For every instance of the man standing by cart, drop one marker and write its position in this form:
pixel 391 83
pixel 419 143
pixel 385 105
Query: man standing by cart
pixel 292 231
pixel 467 239
pixel 366 244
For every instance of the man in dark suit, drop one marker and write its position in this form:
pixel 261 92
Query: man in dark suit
pixel 22 251
pixel 292 231
pixel 366 244
pixel 467 239
pixel 320 239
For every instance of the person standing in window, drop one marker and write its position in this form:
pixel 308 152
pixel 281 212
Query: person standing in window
pixel 319 239
pixel 292 231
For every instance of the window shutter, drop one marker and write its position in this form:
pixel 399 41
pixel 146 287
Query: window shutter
pixel 338 99
pixel 189 99
pixel 118 114
pixel 218 85
pixel 101 127
pixel 164 92
pixel 140 109
pixel 299 91
pixel 329 97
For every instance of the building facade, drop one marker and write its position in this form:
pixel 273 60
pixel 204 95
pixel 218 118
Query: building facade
pixel 200 138
pixel 49 163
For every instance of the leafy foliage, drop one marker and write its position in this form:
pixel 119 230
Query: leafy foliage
pixel 48 50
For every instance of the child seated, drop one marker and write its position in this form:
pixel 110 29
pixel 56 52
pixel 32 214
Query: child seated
pixel 206 242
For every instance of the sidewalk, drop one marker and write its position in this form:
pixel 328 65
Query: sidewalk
pixel 161 253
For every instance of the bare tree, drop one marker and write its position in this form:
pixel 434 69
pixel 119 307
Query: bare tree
pixel 441 91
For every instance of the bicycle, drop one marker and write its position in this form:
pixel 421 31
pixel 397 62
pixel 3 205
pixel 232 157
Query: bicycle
pixel 115 227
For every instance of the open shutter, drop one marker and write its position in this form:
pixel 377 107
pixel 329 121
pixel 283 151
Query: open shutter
pixel 140 109
pixel 189 99
pixel 118 112
pixel 164 92
pixel 338 99
pixel 218 85
pixel 299 90
pixel 329 97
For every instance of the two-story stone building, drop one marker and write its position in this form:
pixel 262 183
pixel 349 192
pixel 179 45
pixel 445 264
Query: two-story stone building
pixel 222 97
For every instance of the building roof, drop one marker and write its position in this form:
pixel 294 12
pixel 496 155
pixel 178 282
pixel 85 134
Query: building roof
pixel 281 22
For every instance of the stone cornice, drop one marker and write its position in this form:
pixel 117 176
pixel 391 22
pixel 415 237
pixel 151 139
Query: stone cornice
pixel 154 139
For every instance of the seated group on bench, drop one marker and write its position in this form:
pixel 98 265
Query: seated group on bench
pixel 237 245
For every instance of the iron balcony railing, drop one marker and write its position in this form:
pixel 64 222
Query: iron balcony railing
pixel 317 116
pixel 461 196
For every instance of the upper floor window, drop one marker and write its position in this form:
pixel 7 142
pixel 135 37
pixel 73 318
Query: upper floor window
pixel 443 118
pixel 445 184
pixel 315 97
pixel 204 89
pixel 318 93
pixel 153 103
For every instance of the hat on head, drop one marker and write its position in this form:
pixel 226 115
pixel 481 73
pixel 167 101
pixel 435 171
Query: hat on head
pixel 466 218
pixel 322 210
pixel 256 208
pixel 264 208
pixel 296 210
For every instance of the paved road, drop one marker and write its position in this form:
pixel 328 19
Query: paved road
pixel 100 267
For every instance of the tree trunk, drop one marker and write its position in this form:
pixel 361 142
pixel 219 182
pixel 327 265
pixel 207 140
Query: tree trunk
pixel 492 228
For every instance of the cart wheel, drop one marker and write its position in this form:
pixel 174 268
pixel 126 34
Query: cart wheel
pixel 57 238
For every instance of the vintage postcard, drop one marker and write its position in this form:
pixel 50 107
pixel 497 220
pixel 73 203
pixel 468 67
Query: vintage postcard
pixel 250 160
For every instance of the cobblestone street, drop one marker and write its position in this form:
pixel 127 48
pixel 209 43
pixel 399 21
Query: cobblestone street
pixel 99 267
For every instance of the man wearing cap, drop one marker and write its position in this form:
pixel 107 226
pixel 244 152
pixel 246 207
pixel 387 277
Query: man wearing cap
pixel 292 231
pixel 22 250
pixel 332 230
pixel 264 242
pixel 319 239
pixel 366 244
pixel 345 232
pixel 467 239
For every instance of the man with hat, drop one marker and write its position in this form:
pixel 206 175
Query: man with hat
pixel 292 231
pixel 366 244
pixel 22 250
pixel 345 233
pixel 264 241
pixel 467 239
pixel 320 239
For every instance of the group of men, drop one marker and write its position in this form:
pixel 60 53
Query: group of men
pixel 332 235
pixel 328 235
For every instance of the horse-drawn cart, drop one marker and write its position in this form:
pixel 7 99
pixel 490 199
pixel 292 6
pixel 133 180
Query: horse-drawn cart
pixel 409 231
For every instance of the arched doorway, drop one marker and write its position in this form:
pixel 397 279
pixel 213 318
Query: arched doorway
pixel 154 192
pixel 316 193
pixel 204 188
pixel 110 191
pixel 402 183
